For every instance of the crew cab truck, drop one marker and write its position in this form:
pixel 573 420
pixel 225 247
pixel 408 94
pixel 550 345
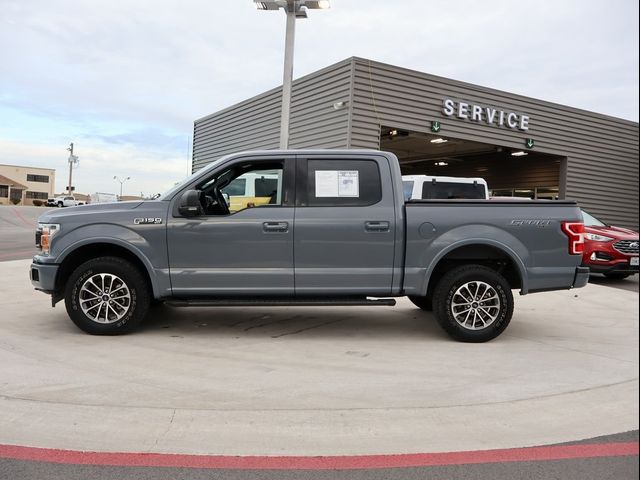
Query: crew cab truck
pixel 333 229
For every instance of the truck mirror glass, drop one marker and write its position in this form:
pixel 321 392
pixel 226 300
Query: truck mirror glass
pixel 190 205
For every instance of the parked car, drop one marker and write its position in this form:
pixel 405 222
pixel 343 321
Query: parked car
pixel 426 187
pixel 612 251
pixel 356 242
pixel 64 201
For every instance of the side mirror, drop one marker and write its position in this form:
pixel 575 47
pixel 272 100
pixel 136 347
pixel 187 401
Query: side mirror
pixel 190 205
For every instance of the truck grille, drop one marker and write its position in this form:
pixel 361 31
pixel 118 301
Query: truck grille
pixel 628 247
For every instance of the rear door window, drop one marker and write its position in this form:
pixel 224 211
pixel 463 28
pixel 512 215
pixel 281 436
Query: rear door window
pixel 343 183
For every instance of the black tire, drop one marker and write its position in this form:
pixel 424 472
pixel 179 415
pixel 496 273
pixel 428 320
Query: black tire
pixel 424 303
pixel 617 276
pixel 501 307
pixel 135 307
pixel 60 204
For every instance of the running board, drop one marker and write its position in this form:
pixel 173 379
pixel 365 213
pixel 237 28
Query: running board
pixel 279 302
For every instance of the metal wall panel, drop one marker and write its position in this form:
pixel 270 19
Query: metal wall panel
pixel 602 171
pixel 255 123
pixel 602 151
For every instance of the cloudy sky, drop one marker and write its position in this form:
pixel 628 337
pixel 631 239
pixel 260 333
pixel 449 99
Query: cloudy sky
pixel 125 79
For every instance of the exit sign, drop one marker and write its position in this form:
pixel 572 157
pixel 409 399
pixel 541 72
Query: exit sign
pixel 435 127
pixel 529 143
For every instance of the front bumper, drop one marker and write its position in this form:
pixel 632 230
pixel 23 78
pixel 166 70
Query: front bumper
pixel 581 277
pixel 43 276
pixel 615 266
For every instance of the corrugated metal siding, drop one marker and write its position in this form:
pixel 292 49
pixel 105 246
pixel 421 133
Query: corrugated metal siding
pixel 602 173
pixel 255 123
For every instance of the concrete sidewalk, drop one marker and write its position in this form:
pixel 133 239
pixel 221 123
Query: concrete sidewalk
pixel 309 381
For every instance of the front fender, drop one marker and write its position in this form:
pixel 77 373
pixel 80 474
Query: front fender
pixel 148 245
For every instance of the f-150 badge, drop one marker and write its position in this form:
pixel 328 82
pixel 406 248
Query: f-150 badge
pixel 147 221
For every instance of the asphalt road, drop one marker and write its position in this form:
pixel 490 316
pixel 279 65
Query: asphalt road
pixel 587 467
pixel 17 231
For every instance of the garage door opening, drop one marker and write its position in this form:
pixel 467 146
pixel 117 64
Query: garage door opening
pixel 509 172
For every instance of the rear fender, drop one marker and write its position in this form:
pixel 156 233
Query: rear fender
pixel 467 235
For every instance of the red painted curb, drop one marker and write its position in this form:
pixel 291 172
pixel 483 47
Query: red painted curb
pixel 558 452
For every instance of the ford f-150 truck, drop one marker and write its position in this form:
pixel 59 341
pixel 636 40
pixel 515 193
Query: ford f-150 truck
pixel 329 228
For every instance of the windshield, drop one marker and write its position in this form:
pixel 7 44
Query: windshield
pixel 178 185
pixel 591 221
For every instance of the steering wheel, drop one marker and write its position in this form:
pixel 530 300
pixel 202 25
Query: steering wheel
pixel 221 202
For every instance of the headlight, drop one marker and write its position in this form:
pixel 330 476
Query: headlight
pixel 48 230
pixel 597 238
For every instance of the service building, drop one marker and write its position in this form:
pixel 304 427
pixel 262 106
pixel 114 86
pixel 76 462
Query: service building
pixel 522 146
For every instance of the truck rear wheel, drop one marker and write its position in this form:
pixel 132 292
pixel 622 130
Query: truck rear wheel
pixel 107 296
pixel 473 303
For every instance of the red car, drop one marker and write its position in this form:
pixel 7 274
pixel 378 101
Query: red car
pixel 612 251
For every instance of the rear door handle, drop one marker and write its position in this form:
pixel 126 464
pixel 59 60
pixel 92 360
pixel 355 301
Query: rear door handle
pixel 372 226
pixel 275 227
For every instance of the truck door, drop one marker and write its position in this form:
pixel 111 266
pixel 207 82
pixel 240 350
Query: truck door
pixel 345 226
pixel 243 244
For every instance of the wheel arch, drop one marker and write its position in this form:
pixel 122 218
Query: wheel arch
pixel 487 252
pixel 74 257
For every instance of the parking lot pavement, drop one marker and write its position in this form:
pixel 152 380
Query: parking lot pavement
pixel 17 231
pixel 309 381
pixel 630 283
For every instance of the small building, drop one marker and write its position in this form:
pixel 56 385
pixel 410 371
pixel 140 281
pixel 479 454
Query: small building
pixel 523 147
pixel 25 184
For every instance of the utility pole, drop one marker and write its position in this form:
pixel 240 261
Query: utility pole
pixel 70 166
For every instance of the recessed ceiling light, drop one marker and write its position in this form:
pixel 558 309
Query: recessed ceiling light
pixel 439 140
pixel 519 153
pixel 393 133
pixel 441 164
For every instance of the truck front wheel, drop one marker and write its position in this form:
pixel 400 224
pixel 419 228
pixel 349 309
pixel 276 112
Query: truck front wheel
pixel 473 303
pixel 107 296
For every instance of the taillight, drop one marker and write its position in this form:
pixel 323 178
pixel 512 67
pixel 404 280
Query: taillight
pixel 575 232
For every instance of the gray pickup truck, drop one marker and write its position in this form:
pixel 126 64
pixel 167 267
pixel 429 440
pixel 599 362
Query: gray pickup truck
pixel 308 228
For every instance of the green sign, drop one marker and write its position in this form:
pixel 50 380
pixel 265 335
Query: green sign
pixel 529 143
pixel 435 127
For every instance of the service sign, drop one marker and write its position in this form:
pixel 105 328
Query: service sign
pixel 484 114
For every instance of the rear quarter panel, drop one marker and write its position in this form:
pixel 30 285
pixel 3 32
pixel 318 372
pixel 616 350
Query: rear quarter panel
pixel 528 232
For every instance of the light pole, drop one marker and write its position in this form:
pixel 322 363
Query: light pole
pixel 121 183
pixel 294 9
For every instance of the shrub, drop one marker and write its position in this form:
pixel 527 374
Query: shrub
pixel 37 203
pixel 15 201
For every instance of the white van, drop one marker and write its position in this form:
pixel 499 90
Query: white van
pixel 442 188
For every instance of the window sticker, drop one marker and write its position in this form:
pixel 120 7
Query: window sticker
pixel 337 183
pixel 348 183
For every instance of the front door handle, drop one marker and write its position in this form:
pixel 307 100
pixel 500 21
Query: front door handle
pixel 275 227
pixel 372 226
